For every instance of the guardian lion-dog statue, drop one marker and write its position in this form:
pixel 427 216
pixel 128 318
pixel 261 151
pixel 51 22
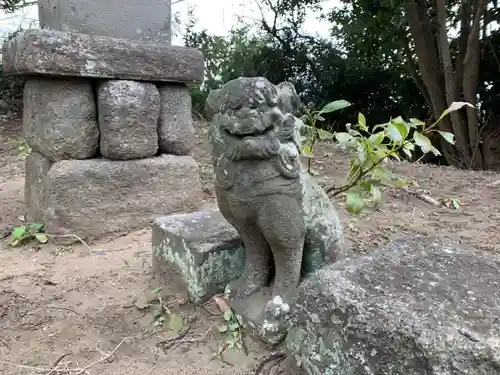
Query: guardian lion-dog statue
pixel 286 221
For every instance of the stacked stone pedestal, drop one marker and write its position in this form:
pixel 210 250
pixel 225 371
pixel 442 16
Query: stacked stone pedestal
pixel 109 122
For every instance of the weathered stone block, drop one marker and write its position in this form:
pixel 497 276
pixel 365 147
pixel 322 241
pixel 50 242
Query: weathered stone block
pixel 94 197
pixel 37 167
pixel 128 119
pixel 61 53
pixel 411 307
pixel 59 118
pixel 176 131
pixel 200 248
pixel 131 19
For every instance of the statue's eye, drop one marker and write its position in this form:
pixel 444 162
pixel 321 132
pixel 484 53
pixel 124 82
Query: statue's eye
pixel 253 105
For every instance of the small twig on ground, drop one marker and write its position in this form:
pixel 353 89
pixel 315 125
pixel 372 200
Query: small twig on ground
pixel 4 343
pixel 104 358
pixel 277 357
pixel 56 363
pixel 174 342
pixel 71 235
pixel 63 308
pixel 59 367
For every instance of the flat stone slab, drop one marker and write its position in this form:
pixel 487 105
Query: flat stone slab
pixel 201 249
pixel 61 53
pixel 95 197
pixel 411 307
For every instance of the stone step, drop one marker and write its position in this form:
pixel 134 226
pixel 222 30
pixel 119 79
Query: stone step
pixel 201 249
pixel 413 306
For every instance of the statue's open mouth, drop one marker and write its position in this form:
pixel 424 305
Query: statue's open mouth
pixel 249 133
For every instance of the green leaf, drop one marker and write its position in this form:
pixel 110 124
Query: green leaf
pixel 402 126
pixel 223 328
pixel 320 118
pixel 324 135
pixel 234 326
pixel 394 134
pixel 376 138
pixel 362 152
pixel 304 118
pixel 228 314
pixel 455 204
pixel 354 202
pixel 448 137
pixel 335 106
pixel 175 322
pixel 354 133
pixel 307 151
pixel 362 121
pixel 34 227
pixel 343 138
pixel 18 233
pixel 41 237
pixel 380 126
pixel 425 144
pixel 156 290
pixel 455 106
pixel 157 310
pixel 416 122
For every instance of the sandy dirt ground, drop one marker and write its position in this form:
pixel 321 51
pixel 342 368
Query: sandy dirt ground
pixel 74 307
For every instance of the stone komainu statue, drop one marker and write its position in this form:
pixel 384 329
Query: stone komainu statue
pixel 286 221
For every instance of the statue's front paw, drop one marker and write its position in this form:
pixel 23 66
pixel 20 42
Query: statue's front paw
pixel 276 309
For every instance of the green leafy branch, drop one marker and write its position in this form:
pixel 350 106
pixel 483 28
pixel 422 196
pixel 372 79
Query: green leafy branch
pixel 373 148
pixel 314 133
pixel 232 333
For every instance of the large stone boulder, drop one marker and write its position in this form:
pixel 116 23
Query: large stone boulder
pixel 128 119
pixel 411 307
pixel 95 197
pixel 60 118
pixel 175 128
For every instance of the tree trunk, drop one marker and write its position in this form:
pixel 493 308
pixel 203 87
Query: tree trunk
pixel 446 83
pixel 470 80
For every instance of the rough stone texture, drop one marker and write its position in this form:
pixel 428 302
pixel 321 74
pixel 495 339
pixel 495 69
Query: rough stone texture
pixel 128 119
pixel 60 53
pixel 94 197
pixel 37 167
pixel 286 221
pixel 201 248
pixel 176 131
pixel 59 118
pixel 131 19
pixel 412 307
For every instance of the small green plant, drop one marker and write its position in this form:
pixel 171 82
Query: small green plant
pixel 314 133
pixel 23 149
pixel 28 232
pixel 232 332
pixel 160 311
pixel 371 149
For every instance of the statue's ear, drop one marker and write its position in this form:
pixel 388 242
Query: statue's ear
pixel 289 101
pixel 212 103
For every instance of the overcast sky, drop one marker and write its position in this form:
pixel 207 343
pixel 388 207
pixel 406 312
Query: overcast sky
pixel 218 16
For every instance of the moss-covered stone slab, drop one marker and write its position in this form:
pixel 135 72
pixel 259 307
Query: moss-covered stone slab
pixel 415 307
pixel 200 249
